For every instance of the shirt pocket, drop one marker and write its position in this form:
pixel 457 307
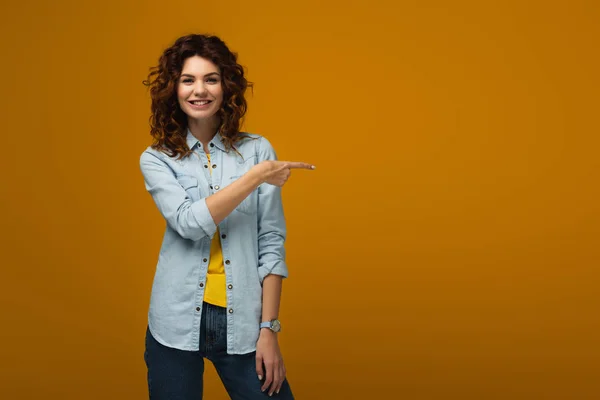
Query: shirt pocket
pixel 190 184
pixel 245 163
pixel 249 205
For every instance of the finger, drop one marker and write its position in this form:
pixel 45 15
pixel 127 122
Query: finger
pixel 276 377
pixel 281 378
pixel 301 165
pixel 269 378
pixel 259 367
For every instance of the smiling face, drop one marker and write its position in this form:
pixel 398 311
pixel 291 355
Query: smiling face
pixel 199 90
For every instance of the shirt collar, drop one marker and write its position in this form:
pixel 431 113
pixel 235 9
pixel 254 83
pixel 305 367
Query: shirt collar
pixel 217 140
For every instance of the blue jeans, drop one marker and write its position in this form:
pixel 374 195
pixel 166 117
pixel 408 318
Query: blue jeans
pixel 175 374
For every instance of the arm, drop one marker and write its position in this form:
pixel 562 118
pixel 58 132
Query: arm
pixel 271 224
pixel 272 270
pixel 193 220
pixel 267 346
pixel 271 297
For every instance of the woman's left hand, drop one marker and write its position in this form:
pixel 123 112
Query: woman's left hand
pixel 267 353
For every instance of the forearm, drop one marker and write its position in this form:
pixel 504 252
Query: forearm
pixel 223 202
pixel 271 297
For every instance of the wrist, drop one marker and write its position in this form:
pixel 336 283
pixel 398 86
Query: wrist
pixel 267 333
pixel 256 176
pixel 272 325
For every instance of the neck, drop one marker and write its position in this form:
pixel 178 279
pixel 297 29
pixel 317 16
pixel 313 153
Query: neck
pixel 204 130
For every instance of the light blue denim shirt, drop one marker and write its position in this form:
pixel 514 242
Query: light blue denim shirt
pixel 252 239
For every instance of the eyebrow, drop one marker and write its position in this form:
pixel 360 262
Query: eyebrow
pixel 192 76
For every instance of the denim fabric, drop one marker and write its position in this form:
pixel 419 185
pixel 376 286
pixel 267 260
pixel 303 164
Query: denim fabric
pixel 252 239
pixel 175 374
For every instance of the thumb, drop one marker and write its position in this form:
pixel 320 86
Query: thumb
pixel 259 366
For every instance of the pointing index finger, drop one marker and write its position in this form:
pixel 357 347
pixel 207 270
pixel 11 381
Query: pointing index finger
pixel 300 165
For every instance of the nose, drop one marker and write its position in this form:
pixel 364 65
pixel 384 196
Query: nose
pixel 199 88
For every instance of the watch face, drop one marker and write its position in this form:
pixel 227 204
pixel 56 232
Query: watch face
pixel 276 325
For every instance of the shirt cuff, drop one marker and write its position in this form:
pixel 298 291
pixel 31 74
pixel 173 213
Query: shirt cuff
pixel 203 218
pixel 280 268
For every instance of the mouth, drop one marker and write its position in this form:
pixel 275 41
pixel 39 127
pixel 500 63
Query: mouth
pixel 199 104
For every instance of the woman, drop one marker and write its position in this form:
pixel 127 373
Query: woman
pixel 217 286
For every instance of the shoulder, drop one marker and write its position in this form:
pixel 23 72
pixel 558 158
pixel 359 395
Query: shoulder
pixel 152 158
pixel 150 152
pixel 256 141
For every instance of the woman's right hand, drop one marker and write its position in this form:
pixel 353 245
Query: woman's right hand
pixel 276 172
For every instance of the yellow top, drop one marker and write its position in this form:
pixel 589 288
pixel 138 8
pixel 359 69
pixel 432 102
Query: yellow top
pixel 215 292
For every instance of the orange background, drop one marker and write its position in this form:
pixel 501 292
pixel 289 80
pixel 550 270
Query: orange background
pixel 447 246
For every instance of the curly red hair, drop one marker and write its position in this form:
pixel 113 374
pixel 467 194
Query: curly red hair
pixel 168 122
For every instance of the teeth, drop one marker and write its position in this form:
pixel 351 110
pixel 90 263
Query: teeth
pixel 200 103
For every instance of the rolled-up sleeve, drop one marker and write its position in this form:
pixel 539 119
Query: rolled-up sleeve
pixel 271 222
pixel 192 220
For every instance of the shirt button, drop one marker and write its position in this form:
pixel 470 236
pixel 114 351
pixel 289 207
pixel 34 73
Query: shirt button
pixel 217 187
pixel 205 166
pixel 212 145
pixel 202 285
pixel 205 259
pixel 230 286
pixel 214 166
pixel 227 262
pixel 231 311
pixel 197 308
pixel 211 186
pixel 223 236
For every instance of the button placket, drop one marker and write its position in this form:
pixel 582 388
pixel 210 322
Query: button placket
pixel 202 284
pixel 216 158
pixel 227 265
pixel 208 172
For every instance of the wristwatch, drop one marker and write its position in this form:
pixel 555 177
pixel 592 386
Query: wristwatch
pixel 273 325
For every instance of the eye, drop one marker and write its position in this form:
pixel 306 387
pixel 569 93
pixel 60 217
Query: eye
pixel 187 80
pixel 212 80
